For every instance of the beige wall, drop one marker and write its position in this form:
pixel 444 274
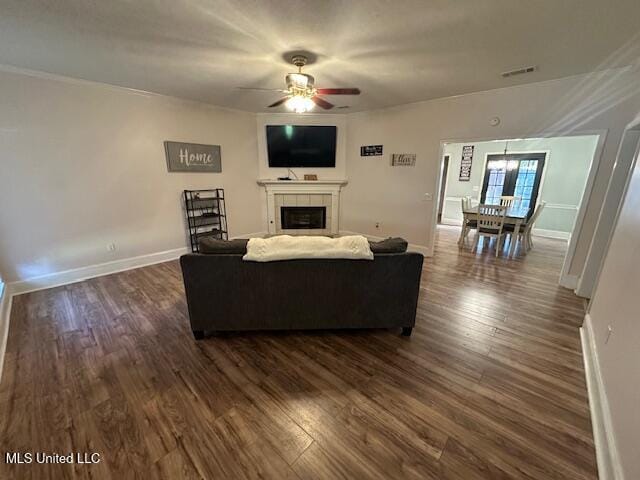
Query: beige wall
pixel 94 153
pixel 395 196
pixel 83 165
pixel 615 304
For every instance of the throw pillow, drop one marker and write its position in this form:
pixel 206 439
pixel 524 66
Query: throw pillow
pixel 215 245
pixel 389 245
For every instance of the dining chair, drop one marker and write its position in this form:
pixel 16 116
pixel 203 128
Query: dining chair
pixel 508 200
pixel 468 223
pixel 490 220
pixel 525 230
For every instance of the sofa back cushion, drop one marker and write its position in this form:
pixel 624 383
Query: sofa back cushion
pixel 389 245
pixel 215 245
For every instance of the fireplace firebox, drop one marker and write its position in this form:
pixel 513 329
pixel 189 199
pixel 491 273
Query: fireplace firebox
pixel 293 218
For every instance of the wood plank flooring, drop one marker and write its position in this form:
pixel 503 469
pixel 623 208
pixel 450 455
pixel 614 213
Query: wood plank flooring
pixel 489 386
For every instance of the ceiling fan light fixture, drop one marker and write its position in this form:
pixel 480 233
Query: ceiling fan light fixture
pixel 298 80
pixel 299 103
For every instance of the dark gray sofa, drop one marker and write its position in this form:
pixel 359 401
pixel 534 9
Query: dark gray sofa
pixel 225 293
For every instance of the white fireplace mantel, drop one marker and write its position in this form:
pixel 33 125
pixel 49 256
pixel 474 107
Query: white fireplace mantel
pixel 294 187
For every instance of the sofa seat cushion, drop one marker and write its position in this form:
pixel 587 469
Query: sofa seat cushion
pixel 389 245
pixel 216 245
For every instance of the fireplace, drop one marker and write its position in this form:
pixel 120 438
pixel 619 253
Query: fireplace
pixel 293 218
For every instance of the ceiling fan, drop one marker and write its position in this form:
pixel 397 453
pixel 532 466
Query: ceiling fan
pixel 301 94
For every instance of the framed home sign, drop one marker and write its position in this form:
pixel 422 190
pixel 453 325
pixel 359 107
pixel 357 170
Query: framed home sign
pixel 465 163
pixel 403 160
pixel 192 157
pixel 370 150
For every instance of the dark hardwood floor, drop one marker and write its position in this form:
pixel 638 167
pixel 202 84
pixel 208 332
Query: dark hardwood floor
pixel 490 385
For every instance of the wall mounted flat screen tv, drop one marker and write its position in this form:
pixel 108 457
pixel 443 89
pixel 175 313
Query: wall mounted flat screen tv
pixel 309 146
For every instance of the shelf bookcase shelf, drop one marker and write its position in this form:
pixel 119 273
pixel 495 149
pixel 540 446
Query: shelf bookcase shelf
pixel 206 215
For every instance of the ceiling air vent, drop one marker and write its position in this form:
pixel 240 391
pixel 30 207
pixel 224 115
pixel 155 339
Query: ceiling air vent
pixel 519 71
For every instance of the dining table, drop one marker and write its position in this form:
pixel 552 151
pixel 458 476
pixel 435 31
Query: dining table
pixel 515 215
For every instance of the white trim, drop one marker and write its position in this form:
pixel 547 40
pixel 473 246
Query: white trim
pixel 568 281
pixel 94 83
pixel 557 234
pixel 310 187
pixel 616 191
pixel 424 250
pixel 451 221
pixel 607 456
pixel 602 72
pixel 65 277
pixel 584 201
pixel 6 298
pixel 561 206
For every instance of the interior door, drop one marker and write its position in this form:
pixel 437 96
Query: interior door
pixel 516 174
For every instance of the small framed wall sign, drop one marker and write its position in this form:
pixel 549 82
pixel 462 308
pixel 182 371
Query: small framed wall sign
pixel 465 163
pixel 370 150
pixel 192 157
pixel 403 160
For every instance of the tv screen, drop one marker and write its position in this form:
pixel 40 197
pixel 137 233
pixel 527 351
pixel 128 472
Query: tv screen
pixel 309 146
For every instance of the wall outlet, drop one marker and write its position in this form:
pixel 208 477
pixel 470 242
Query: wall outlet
pixel 111 247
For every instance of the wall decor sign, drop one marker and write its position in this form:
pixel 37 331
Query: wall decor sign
pixel 403 159
pixel 192 157
pixel 465 163
pixel 370 150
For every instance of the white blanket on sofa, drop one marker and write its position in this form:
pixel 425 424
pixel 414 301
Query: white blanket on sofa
pixel 287 247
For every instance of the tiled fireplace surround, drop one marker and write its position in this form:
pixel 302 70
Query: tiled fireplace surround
pixel 300 193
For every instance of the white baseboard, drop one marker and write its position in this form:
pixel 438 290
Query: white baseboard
pixel 83 273
pixel 541 232
pixel 451 221
pixel 426 251
pixel 609 466
pixel 6 297
pixel 91 271
pixel 568 281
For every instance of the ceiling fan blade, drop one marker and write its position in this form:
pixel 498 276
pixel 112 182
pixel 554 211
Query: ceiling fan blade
pixel 339 91
pixel 279 102
pixel 322 103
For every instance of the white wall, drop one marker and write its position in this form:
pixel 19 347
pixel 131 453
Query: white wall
pixel 564 177
pixel 83 165
pixel 395 196
pixel 615 304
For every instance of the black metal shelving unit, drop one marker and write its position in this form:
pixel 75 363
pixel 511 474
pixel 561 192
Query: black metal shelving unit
pixel 206 215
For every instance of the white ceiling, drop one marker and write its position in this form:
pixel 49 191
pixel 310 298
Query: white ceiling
pixel 395 51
